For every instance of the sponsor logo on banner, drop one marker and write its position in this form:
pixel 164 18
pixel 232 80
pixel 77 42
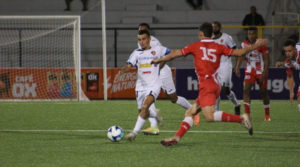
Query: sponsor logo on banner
pixel 277 86
pixel 123 82
pixel 24 86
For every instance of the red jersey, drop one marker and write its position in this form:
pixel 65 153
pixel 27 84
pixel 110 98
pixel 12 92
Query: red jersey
pixel 255 58
pixel 207 55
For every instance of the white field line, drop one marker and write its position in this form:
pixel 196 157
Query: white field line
pixel 162 131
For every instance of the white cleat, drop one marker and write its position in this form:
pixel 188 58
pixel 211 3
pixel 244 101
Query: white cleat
pixel 247 123
pixel 131 136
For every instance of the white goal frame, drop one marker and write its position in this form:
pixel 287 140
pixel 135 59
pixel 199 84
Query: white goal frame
pixel 76 52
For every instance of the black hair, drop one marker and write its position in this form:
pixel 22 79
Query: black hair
pixel 252 29
pixel 145 24
pixel 218 24
pixel 289 42
pixel 207 29
pixel 141 32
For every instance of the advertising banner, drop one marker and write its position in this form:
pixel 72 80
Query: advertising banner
pixel 37 83
pixel 187 86
pixel 119 86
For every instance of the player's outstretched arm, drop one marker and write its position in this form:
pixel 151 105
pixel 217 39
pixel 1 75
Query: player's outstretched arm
pixel 259 43
pixel 172 55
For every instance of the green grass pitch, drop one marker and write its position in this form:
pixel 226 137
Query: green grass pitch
pixel 73 134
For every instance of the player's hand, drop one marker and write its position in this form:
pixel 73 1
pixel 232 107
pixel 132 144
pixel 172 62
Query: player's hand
pixel 261 42
pixel 237 72
pixel 291 97
pixel 279 64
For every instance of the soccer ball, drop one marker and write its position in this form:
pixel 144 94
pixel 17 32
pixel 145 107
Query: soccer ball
pixel 115 133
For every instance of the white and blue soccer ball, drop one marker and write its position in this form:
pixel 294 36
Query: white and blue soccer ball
pixel 115 133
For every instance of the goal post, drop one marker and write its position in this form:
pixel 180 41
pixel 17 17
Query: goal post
pixel 40 58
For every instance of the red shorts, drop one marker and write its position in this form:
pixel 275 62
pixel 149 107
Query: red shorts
pixel 252 77
pixel 209 91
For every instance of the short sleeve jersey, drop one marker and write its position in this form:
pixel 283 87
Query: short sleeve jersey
pixel 148 74
pixel 254 58
pixel 226 40
pixel 288 62
pixel 207 55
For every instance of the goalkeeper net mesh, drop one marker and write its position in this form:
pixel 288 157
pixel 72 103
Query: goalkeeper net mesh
pixel 40 58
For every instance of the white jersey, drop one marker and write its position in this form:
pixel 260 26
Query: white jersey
pixel 254 58
pixel 148 74
pixel 166 70
pixel 226 40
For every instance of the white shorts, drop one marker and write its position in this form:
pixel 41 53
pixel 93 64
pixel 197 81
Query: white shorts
pixel 167 80
pixel 141 95
pixel 225 74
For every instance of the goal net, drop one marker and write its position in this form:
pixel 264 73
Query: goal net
pixel 40 58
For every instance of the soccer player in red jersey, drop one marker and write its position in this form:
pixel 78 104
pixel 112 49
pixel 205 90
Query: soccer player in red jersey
pixel 256 71
pixel 292 64
pixel 207 56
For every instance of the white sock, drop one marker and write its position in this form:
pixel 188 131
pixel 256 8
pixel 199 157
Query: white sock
pixel 217 105
pixel 153 122
pixel 152 113
pixel 233 99
pixel 299 107
pixel 218 116
pixel 152 116
pixel 139 124
pixel 189 120
pixel 183 102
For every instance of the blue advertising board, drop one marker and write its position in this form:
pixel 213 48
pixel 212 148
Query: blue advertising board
pixel 187 84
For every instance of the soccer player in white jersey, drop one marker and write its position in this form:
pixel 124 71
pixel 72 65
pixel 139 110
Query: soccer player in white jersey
pixel 291 63
pixel 225 69
pixel 256 71
pixel 148 81
pixel 167 83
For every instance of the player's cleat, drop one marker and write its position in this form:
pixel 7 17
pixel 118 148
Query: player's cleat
pixel 159 118
pixel 196 119
pixel 169 142
pixel 151 131
pixel 131 136
pixel 267 118
pixel 247 123
pixel 237 110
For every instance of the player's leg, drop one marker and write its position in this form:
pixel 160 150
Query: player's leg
pixel 298 99
pixel 232 97
pixel 154 119
pixel 185 125
pixel 249 81
pixel 169 87
pixel 143 116
pixel 266 100
pixel 143 104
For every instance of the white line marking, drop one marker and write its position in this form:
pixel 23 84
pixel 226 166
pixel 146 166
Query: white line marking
pixel 162 131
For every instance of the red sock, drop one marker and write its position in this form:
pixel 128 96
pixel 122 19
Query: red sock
pixel 227 117
pixel 267 110
pixel 184 127
pixel 247 108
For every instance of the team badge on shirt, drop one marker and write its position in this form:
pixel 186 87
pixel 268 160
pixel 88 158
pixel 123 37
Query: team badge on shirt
pixel 153 53
pixel 222 40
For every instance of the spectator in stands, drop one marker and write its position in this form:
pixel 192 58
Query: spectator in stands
pixel 84 5
pixel 196 5
pixel 253 18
